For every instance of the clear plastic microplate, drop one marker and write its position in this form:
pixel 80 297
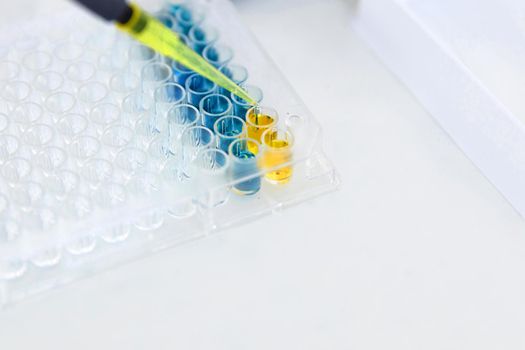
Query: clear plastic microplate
pixel 109 152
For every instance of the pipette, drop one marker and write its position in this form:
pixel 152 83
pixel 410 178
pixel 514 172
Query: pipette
pixel 131 19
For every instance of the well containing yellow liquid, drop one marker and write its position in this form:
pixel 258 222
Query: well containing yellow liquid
pixel 258 120
pixel 278 144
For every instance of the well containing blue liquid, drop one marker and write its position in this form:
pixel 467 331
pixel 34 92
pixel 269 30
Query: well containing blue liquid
pixel 213 107
pixel 228 129
pixel 240 106
pixel 197 87
pixel 245 157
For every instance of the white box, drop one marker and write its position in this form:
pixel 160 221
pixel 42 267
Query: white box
pixel 464 61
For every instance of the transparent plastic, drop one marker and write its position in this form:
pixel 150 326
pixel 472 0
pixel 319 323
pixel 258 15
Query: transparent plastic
pixel 97 169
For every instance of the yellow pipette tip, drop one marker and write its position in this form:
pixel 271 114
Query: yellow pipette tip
pixel 240 92
pixel 152 33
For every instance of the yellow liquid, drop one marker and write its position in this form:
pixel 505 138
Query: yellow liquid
pixel 258 123
pixel 160 38
pixel 279 153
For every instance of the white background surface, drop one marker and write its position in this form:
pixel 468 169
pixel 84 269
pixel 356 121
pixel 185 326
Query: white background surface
pixel 416 251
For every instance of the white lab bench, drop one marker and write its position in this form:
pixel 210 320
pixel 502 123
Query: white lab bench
pixel 417 250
